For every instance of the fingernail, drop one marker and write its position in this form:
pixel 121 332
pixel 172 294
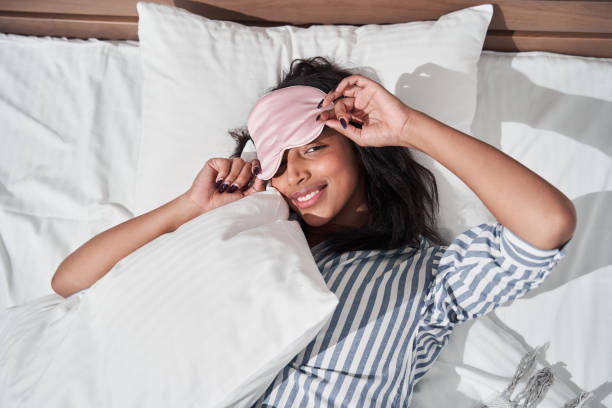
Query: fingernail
pixel 232 188
pixel 256 170
pixel 223 187
pixel 343 122
pixel 218 183
pixel 317 118
pixel 319 106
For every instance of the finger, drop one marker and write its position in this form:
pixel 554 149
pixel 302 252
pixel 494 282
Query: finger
pixel 351 131
pixel 342 109
pixel 243 178
pixel 255 170
pixel 221 167
pixel 236 167
pixel 355 80
pixel 350 91
pixel 344 112
pixel 256 166
pixel 258 185
pixel 326 115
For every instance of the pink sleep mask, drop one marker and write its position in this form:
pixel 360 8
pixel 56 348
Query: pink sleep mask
pixel 283 119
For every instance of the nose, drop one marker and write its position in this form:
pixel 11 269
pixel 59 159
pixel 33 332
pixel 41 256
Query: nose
pixel 297 169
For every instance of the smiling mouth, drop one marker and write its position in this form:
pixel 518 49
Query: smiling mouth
pixel 309 199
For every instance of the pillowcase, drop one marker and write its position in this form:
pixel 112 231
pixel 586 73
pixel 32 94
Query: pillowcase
pixel 202 77
pixel 204 316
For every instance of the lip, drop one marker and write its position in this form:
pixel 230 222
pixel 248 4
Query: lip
pixel 313 200
pixel 307 190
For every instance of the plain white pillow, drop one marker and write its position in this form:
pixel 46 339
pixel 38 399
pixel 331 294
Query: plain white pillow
pixel 202 77
pixel 69 132
pixel 204 316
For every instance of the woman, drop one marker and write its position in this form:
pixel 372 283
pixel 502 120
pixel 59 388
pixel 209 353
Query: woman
pixel 368 212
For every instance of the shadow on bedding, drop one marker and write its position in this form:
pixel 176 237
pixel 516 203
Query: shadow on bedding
pixel 549 110
pixel 539 107
pixel 588 250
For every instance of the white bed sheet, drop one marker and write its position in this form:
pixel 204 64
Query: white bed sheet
pixel 562 108
pixel 69 135
pixel 553 113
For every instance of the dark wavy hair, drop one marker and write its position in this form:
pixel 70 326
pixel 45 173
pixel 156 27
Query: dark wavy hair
pixel 402 195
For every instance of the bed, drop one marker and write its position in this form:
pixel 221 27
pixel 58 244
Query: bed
pixel 71 159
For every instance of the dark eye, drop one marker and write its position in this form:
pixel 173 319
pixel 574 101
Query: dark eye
pixel 315 148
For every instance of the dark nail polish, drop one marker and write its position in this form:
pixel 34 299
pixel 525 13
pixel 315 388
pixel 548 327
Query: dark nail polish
pixel 256 170
pixel 223 187
pixel 343 122
pixel 232 188
pixel 218 183
pixel 317 118
pixel 319 106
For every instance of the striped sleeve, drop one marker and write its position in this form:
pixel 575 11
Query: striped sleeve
pixel 483 268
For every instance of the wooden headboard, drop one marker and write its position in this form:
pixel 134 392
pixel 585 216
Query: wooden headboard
pixel 569 27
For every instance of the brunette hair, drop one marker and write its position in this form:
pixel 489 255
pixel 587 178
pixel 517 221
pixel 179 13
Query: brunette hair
pixel 402 195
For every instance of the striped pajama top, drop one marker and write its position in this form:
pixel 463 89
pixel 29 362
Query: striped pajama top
pixel 396 311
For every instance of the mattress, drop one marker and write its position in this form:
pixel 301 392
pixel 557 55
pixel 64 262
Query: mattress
pixel 70 126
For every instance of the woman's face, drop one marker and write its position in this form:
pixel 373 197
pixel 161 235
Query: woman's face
pixel 323 181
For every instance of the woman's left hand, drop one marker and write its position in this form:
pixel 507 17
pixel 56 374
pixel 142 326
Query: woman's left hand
pixel 384 119
pixel 222 181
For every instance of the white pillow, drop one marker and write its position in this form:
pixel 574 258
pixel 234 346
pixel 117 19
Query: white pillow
pixel 202 77
pixel 204 316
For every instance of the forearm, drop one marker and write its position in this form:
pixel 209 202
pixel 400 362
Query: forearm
pixel 518 198
pixel 97 256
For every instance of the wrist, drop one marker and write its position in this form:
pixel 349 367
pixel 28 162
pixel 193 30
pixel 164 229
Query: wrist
pixel 183 209
pixel 413 129
pixel 408 133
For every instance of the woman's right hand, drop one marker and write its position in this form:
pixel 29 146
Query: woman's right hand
pixel 222 181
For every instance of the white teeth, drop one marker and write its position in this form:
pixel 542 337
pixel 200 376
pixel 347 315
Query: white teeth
pixel 308 196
